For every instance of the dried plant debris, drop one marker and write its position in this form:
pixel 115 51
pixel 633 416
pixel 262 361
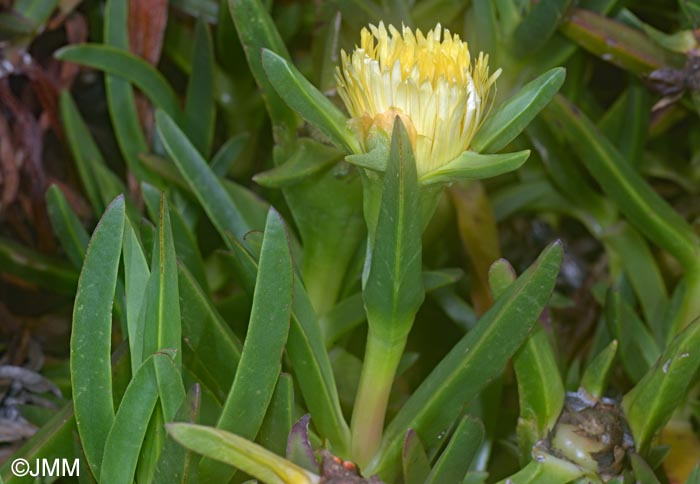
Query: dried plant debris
pixel 335 470
pixel 21 386
pixel 592 434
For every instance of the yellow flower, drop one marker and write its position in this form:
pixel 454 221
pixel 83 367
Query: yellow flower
pixel 429 81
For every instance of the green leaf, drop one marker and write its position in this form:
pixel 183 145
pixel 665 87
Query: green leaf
pixel 540 389
pixel 416 465
pixel 477 358
pixel 175 463
pixel 257 31
pixel 618 43
pixel 224 213
pixel 52 441
pixel 91 369
pixel 163 325
pixel 643 273
pixel 475 166
pixel 299 448
pixel 309 158
pixel 278 420
pixel 128 431
pixel 185 241
pixel 122 63
pixel 228 153
pixel 171 390
pixel 268 328
pixel 501 275
pixel 394 290
pixel 327 210
pixel 136 275
pixel 241 453
pixel 69 230
pixel 455 460
pixel 83 148
pixel 512 117
pixel 651 402
pixel 120 94
pixel 627 122
pixel 545 469
pixel 349 313
pixel 643 474
pixel 308 357
pixel 538 26
pixel 595 378
pixel 638 350
pixel 209 339
pixel 200 112
pixel 308 101
pixel 475 477
pixel 650 213
pixel 37 268
pixel 694 477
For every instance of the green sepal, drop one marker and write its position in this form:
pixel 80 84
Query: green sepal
pixel 307 101
pixel 513 116
pixel 475 166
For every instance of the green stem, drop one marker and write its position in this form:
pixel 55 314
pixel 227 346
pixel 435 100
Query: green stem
pixel 378 371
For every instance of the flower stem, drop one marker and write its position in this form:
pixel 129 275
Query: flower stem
pixel 378 371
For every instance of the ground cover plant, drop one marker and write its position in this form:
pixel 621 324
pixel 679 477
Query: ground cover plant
pixel 400 241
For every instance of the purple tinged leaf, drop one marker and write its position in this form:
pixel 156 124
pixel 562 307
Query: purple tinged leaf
pixel 299 448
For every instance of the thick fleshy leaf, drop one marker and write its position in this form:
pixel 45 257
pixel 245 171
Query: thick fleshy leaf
pixel 120 94
pixel 175 463
pixel 538 26
pixel 308 356
pixel 476 359
pixel 200 112
pixel 257 31
pixel 299 448
pixel 618 43
pixel 279 418
pixel 127 433
pixel 85 153
pixel 309 158
pixel 595 378
pixel 415 463
pixel 209 340
pixel 349 313
pixel 650 213
pixel 651 402
pixel 512 117
pixel 136 275
pixel 224 213
pixel 545 469
pixel 241 453
pixel 394 290
pixel 638 349
pixel 643 473
pixel 90 349
pixel 309 102
pixel 260 364
pixel 70 232
pixel 475 166
pixel 52 441
pixel 540 389
pixel 463 446
pixel 124 64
